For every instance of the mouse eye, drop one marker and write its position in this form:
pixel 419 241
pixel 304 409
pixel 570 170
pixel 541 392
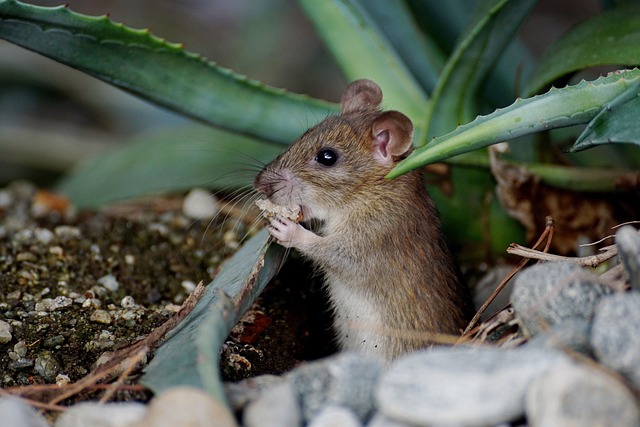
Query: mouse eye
pixel 326 157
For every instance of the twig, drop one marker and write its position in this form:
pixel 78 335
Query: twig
pixel 592 260
pixel 133 362
pixel 546 234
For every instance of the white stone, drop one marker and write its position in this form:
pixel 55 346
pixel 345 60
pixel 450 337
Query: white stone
pixel 276 406
pixel 462 386
pixel 200 204
pixel 549 293
pixel 95 414
pixel 5 332
pixel 186 406
pixel 347 379
pixel 579 396
pixel 109 282
pixel 335 416
pixel 615 335
pixel 15 412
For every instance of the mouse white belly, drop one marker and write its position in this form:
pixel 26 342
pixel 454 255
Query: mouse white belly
pixel 358 324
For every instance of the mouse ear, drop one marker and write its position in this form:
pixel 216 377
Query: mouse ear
pixel 392 132
pixel 361 95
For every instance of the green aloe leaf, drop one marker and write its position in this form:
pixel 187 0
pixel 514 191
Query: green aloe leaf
pixel 454 99
pixel 190 353
pixel 362 51
pixel 161 72
pixel 609 38
pixel 557 108
pixel 421 55
pixel 616 123
pixel 194 156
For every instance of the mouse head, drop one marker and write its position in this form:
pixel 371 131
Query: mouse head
pixel 343 160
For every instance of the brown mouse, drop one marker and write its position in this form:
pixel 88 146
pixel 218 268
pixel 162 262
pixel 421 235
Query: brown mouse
pixel 388 271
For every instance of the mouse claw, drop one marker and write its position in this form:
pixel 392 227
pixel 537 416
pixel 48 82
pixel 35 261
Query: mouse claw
pixel 289 233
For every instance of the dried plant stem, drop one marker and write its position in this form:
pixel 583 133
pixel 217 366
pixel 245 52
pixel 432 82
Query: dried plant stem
pixel 592 260
pixel 547 235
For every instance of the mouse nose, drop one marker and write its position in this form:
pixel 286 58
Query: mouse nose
pixel 261 185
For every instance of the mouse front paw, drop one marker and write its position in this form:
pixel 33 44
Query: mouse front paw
pixel 289 233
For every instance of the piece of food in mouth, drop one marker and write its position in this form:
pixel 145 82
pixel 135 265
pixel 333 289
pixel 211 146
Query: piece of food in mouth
pixel 271 210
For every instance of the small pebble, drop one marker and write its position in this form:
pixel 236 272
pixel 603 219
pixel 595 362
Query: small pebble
pixel 128 302
pixel 95 414
pixel 6 199
pixel 335 416
pixel 20 348
pixel 16 413
pixel 188 286
pixel 578 396
pixel 67 232
pixel 5 332
pixel 47 365
pixel 347 379
pixel 628 244
pixel 548 293
pixel 109 282
pixel 100 316
pixel 615 335
pixel 62 380
pixel 21 363
pixel 277 406
pixel 462 386
pixel 186 406
pixel 53 304
pixel 200 204
pixel 44 235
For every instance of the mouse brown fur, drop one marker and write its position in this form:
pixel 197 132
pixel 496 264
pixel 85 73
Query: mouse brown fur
pixel 387 268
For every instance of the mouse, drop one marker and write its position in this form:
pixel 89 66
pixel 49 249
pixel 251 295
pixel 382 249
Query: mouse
pixel 391 280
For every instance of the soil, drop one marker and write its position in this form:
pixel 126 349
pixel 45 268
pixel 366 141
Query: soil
pixel 76 286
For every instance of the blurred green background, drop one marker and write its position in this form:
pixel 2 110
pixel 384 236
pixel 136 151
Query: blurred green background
pixel 52 117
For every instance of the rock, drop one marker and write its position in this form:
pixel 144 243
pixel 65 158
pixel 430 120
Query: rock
pixel 95 414
pixel 462 386
pixel 44 235
pixel 615 335
pixel 277 406
pixel 548 293
pixel 335 416
pixel 240 394
pixel 53 304
pixel 67 232
pixel 200 204
pixel 109 282
pixel 5 332
pixel 347 379
pixel 100 316
pixel 381 420
pixel 628 244
pixel 54 341
pixel 578 396
pixel 186 406
pixel 16 413
pixel 47 365
pixel 572 334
